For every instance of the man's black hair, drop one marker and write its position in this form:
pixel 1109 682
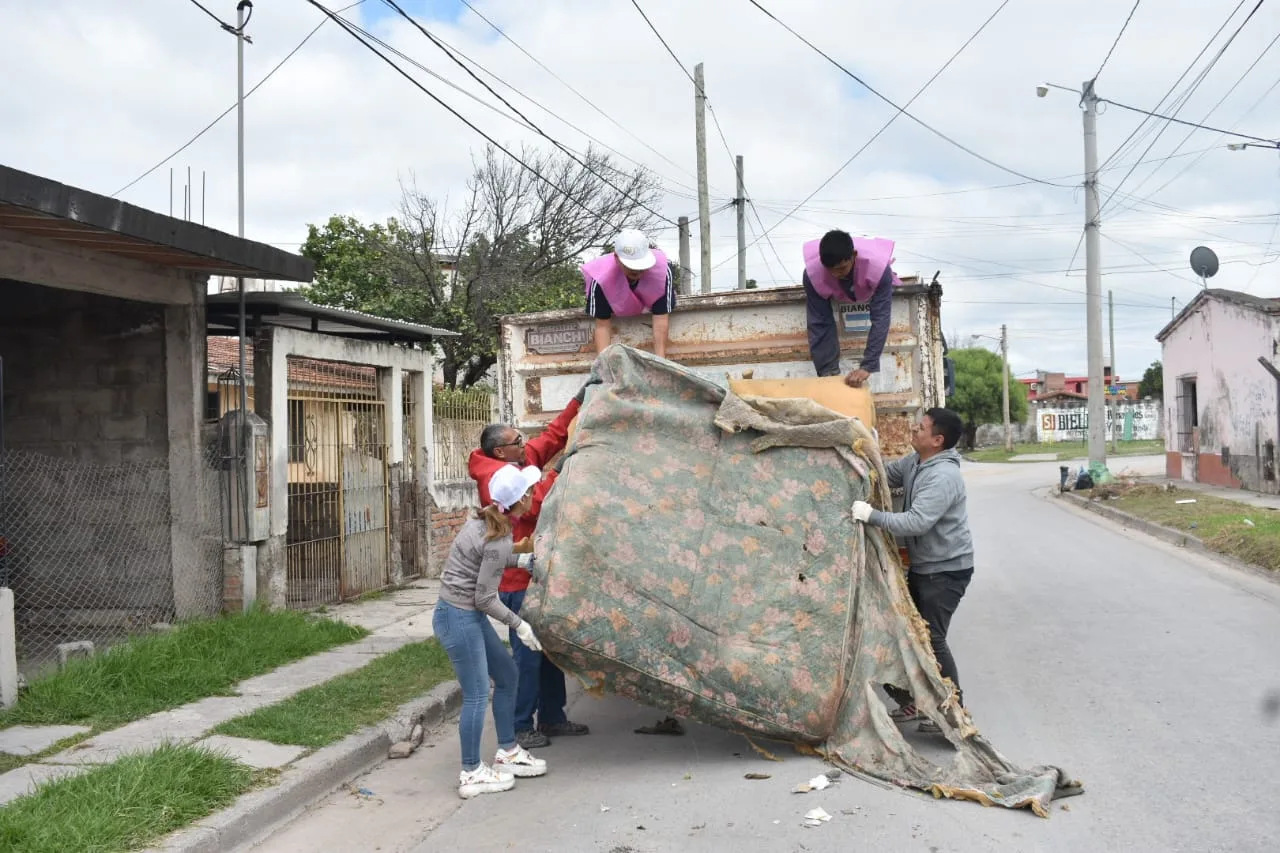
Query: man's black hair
pixel 835 247
pixel 491 438
pixel 947 424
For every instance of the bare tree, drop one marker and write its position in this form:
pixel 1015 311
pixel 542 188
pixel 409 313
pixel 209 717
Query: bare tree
pixel 510 246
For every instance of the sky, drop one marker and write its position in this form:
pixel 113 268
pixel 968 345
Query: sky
pixel 110 90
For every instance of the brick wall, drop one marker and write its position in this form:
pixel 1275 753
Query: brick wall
pixel 444 526
pixel 86 434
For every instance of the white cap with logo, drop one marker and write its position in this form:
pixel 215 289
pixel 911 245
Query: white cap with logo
pixel 632 249
pixel 509 484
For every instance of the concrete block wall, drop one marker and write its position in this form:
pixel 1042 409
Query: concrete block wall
pixel 86 433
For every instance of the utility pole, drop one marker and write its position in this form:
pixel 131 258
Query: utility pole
pixel 1093 288
pixel 741 203
pixel 1004 387
pixel 704 198
pixel 246 437
pixel 1111 322
pixel 686 274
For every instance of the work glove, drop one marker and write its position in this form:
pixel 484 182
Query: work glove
pixel 581 396
pixel 525 633
pixel 862 511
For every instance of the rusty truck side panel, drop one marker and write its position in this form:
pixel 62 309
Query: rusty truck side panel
pixel 543 358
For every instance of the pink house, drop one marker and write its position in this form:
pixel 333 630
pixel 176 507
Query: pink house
pixel 1221 384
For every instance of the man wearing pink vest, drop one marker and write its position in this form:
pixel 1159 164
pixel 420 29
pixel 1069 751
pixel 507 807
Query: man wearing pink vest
pixel 632 279
pixel 839 268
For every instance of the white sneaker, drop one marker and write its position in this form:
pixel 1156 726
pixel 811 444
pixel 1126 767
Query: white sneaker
pixel 519 762
pixel 483 780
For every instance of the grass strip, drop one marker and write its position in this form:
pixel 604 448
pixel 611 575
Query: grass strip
pixel 125 805
pixel 328 712
pixel 1065 450
pixel 159 671
pixel 1247 533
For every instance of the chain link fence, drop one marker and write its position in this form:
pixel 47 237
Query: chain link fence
pixel 88 550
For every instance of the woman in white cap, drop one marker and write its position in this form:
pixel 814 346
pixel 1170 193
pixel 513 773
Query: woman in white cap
pixel 480 552
pixel 630 280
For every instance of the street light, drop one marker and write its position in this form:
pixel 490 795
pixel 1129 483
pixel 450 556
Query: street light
pixel 1093 277
pixel 1240 146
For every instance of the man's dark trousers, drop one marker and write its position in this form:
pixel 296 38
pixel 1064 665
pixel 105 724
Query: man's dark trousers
pixel 541 688
pixel 937 596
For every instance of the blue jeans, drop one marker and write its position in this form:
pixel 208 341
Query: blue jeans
pixel 542 688
pixel 478 655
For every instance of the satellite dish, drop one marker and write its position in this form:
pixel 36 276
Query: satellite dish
pixel 1204 263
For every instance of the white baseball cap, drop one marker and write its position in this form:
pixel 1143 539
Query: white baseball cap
pixel 632 249
pixel 509 484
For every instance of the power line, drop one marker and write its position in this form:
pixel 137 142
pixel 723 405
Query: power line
pixel 570 87
pixel 500 113
pixel 1154 265
pixel 715 119
pixel 375 39
pixel 228 27
pixel 664 42
pixel 208 127
pixel 351 32
pixel 1120 34
pixel 1122 147
pixel 1193 124
pixel 512 107
pixel 1214 109
pixel 902 110
pixel 1189 92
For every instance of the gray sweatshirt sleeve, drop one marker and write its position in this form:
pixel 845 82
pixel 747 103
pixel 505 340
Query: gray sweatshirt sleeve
pixel 881 314
pixel 496 557
pixel 932 495
pixel 894 470
pixel 824 343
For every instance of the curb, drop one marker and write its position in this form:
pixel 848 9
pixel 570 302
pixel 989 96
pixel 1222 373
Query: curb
pixel 253 816
pixel 1174 537
pixel 1159 531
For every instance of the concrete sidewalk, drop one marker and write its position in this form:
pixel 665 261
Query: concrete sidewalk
pixel 395 620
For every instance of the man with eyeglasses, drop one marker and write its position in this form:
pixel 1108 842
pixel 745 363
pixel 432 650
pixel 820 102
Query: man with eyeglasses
pixel 541 688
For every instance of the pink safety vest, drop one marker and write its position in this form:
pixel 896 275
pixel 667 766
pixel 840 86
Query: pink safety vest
pixel 873 255
pixel 626 302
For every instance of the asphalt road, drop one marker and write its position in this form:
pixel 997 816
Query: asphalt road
pixel 1148 672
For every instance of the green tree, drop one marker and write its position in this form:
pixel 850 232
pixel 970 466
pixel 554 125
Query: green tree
pixel 512 246
pixel 1152 384
pixel 978 397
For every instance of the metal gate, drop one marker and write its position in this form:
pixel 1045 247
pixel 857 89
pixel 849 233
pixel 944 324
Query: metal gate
pixel 339 510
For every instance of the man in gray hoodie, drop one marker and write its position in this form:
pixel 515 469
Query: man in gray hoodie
pixel 934 527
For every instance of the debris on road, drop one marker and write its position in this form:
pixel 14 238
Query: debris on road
pixel 755 776
pixel 668 726
pixel 816 817
pixel 817 783
pixel 406 748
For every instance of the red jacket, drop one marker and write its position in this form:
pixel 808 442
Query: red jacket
pixel 537 451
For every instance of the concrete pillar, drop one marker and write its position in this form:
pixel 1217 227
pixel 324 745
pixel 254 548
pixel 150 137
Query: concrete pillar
pixel 391 389
pixel 193 531
pixel 8 651
pixel 271 403
pixel 421 430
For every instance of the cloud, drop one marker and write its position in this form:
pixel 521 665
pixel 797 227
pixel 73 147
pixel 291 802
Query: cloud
pixel 109 90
